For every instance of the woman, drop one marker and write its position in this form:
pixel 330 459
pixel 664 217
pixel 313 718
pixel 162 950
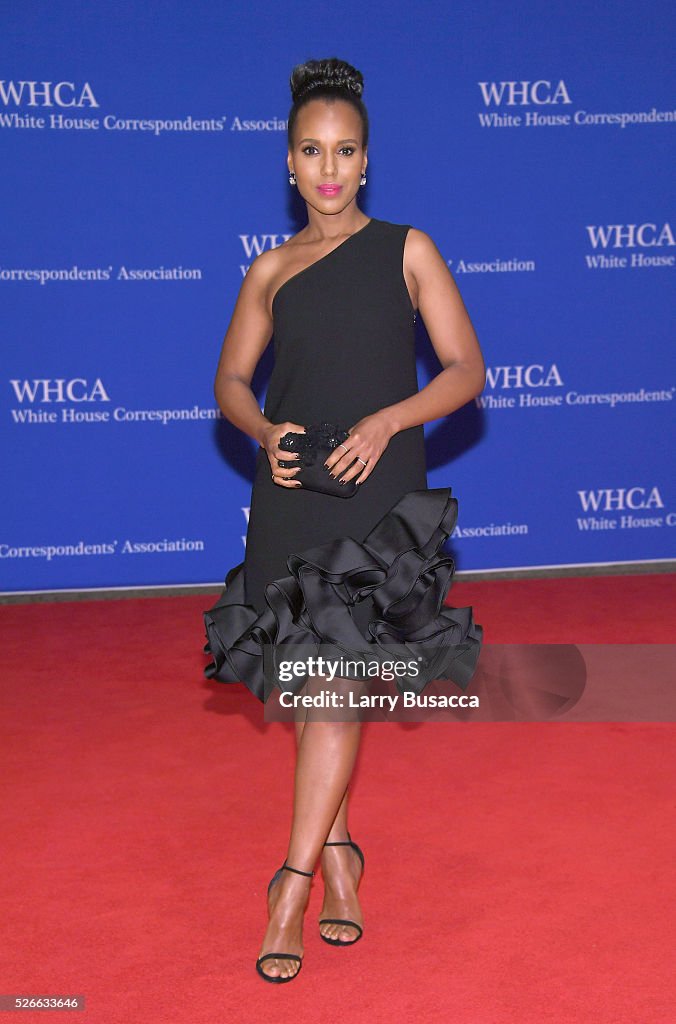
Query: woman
pixel 340 297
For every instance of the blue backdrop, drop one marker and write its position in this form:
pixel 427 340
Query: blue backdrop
pixel 144 165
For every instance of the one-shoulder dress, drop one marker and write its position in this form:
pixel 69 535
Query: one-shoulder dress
pixel 365 572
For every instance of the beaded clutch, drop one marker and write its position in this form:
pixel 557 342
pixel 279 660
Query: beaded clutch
pixel 313 446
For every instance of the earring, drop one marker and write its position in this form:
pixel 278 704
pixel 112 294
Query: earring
pixel 363 178
pixel 292 178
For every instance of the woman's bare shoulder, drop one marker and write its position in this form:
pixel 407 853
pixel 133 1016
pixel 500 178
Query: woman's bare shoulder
pixel 416 238
pixel 420 252
pixel 270 263
pixel 272 268
pixel 263 272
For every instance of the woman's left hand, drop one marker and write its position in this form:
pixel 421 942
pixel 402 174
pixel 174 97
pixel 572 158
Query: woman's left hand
pixel 368 439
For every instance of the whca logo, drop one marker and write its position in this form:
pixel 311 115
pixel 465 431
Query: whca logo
pixel 42 391
pixel 524 94
pixel 619 499
pixel 46 94
pixel 630 236
pixel 534 376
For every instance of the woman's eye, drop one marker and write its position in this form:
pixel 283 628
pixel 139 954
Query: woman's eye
pixel 343 149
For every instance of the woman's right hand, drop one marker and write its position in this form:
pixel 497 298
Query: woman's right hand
pixel 281 477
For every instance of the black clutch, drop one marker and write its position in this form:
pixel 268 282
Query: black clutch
pixel 313 447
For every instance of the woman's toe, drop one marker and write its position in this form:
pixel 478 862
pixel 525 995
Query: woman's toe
pixel 279 968
pixel 271 968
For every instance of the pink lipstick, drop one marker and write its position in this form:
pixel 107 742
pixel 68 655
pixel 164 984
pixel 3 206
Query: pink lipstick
pixel 329 190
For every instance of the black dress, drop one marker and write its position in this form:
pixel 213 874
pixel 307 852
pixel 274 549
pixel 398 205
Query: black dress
pixel 355 571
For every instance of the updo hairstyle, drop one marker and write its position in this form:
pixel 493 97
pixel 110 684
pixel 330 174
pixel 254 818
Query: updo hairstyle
pixel 328 79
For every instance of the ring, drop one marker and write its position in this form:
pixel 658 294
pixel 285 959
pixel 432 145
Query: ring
pixel 361 460
pixel 343 446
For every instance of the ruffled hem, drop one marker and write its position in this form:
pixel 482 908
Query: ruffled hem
pixel 399 565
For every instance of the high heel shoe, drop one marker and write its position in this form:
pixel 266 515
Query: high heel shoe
pixel 281 956
pixel 338 920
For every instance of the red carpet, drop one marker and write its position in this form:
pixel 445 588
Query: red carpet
pixel 515 873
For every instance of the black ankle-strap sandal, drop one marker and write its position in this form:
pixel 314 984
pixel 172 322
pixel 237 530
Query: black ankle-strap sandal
pixel 338 920
pixel 278 980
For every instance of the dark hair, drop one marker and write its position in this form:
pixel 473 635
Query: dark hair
pixel 329 79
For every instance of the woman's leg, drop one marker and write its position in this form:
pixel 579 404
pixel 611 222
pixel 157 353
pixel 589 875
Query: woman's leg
pixel 325 759
pixel 341 872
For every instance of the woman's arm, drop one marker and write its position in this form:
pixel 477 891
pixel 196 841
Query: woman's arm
pixel 450 329
pixel 435 294
pixel 246 338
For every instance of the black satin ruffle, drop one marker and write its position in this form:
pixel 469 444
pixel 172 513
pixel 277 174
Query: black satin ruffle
pixel 398 565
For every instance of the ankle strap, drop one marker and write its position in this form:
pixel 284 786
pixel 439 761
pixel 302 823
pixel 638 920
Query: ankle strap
pixel 342 842
pixel 287 867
